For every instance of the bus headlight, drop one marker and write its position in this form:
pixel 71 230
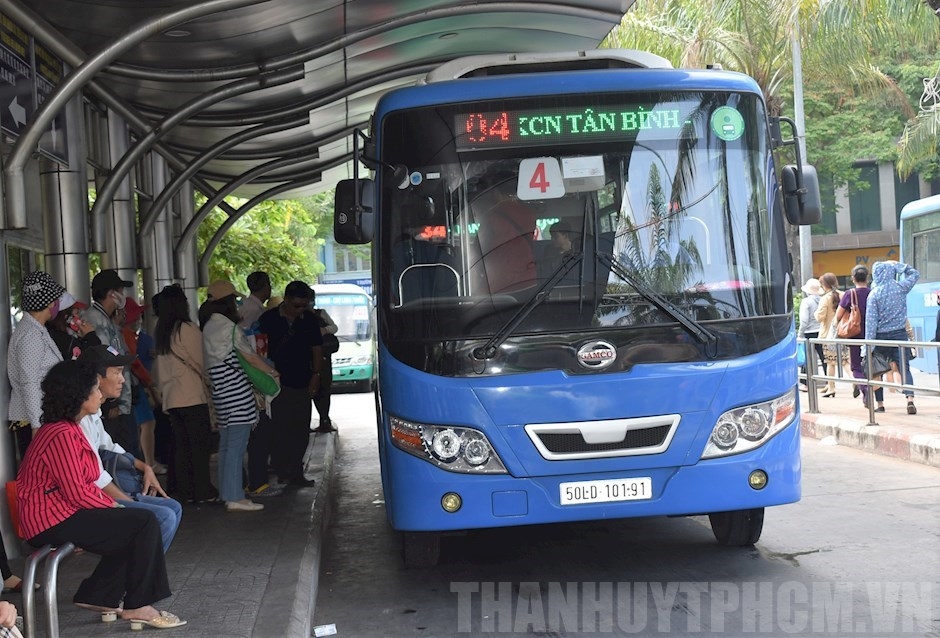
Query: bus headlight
pixel 451 448
pixel 750 426
pixel 362 360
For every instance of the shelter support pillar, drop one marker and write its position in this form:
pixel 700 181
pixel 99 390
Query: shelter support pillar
pixel 65 209
pixel 186 267
pixel 156 248
pixel 119 219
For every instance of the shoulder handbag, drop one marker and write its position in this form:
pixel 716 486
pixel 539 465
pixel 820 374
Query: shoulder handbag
pixel 850 325
pixel 260 380
pixel 122 471
pixel 879 364
pixel 330 341
pixel 207 387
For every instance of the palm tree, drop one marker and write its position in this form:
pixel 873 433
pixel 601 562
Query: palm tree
pixel 839 40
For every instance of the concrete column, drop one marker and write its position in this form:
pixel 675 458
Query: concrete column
pixel 65 209
pixel 889 217
pixel 844 216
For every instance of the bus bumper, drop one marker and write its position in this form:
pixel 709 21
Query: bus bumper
pixel 416 487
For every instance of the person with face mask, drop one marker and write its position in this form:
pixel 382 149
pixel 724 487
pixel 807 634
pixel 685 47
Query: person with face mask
pixel 108 294
pixel 32 352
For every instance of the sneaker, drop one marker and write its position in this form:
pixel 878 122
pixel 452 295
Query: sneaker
pixel 243 506
pixel 265 491
pixel 910 408
pixel 881 409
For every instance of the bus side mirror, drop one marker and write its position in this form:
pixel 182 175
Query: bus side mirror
pixel 801 195
pixel 352 211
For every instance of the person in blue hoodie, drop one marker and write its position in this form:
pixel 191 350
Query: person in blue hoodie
pixel 886 314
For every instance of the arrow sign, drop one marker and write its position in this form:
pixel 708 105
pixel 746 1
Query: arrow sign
pixel 18 112
pixel 17 93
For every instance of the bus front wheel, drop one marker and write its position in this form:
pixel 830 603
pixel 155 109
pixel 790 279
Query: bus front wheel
pixel 420 549
pixel 739 528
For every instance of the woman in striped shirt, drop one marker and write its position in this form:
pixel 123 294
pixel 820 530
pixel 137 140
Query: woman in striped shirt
pixel 58 502
pixel 232 394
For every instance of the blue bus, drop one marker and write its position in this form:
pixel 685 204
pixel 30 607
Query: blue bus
pixel 920 247
pixel 583 295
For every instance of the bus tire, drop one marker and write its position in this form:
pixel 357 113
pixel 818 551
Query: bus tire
pixel 420 549
pixel 739 528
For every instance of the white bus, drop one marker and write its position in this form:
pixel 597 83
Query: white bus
pixel 351 309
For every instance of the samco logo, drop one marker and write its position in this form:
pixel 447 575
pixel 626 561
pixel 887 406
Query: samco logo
pixel 596 355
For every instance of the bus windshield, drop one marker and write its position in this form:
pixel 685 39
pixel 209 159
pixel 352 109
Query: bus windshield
pixel 350 313
pixel 546 203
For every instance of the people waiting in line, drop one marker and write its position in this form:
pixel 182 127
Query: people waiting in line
pixel 108 293
pixel 31 353
pixel 142 390
pixel 295 347
pixel 59 502
pixel 834 355
pixel 809 325
pixel 179 376
pixel 163 431
pixel 69 330
pixel 886 314
pixel 859 296
pixel 109 365
pixel 252 307
pixel 232 394
pixel 323 397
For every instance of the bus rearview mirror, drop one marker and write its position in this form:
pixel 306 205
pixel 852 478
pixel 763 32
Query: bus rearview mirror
pixel 801 199
pixel 352 211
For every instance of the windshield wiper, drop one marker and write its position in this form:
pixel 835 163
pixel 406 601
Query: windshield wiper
pixel 488 350
pixel 701 334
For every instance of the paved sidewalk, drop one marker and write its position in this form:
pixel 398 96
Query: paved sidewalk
pixel 244 574
pixel 845 421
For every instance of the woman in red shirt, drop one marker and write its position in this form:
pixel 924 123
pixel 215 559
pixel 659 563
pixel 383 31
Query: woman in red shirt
pixel 59 502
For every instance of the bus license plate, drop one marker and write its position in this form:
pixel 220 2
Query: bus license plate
pixel 608 491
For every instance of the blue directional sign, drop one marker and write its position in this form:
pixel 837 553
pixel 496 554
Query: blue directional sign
pixel 49 71
pixel 17 92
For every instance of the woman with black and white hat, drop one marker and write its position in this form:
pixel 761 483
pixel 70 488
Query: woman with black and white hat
pixel 32 353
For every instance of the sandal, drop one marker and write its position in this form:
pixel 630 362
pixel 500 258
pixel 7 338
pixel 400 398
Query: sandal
pixel 108 614
pixel 165 620
pixel 18 587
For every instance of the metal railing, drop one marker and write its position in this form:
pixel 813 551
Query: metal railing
pixel 813 378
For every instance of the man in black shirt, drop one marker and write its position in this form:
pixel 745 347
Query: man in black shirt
pixel 295 347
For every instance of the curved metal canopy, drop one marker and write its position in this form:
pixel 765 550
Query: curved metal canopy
pixel 300 73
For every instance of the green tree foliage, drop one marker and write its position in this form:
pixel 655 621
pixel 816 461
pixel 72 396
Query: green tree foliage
pixel 280 237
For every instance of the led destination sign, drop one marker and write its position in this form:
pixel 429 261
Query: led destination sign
pixel 496 129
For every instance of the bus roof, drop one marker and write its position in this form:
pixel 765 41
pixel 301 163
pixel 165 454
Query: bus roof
pixel 562 83
pixel 920 207
pixel 339 289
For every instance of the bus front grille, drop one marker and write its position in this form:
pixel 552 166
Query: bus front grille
pixel 601 439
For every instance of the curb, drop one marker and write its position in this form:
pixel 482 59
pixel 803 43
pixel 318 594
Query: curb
pixel 883 440
pixel 297 568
